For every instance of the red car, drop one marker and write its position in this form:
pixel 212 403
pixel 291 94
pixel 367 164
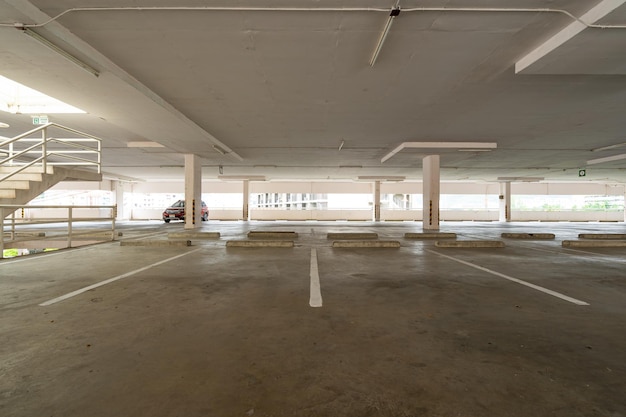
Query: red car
pixel 177 212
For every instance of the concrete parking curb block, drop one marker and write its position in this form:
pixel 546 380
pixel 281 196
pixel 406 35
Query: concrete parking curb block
pixel 594 243
pixel 538 236
pixel 432 235
pixel 155 243
pixel 272 234
pixel 260 244
pixel 470 244
pixel 602 236
pixel 193 235
pixel 366 244
pixel 352 236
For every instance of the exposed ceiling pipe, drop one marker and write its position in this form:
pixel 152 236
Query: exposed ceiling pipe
pixel 325 9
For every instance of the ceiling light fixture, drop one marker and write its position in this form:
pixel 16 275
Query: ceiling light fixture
pixel 219 150
pixel 395 11
pixel 520 179
pixel 3 125
pixel 58 50
pixel 607 159
pixel 241 177
pixel 441 145
pixel 380 178
pixel 144 144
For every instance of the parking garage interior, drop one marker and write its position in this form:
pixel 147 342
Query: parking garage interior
pixel 372 247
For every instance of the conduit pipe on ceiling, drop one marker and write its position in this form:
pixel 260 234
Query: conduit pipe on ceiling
pixel 324 9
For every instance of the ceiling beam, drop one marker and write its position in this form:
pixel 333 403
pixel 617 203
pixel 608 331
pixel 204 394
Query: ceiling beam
pixel 122 78
pixel 599 11
pixel 440 145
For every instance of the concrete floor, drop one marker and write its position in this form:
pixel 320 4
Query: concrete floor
pixel 402 332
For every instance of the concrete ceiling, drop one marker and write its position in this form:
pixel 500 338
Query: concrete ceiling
pixel 281 91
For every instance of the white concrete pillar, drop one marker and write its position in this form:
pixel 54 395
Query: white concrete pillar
pixel 624 203
pixel 246 200
pixel 505 202
pixel 193 191
pixel 118 195
pixel 430 167
pixel 376 201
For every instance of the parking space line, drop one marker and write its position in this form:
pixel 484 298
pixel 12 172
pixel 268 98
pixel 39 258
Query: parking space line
pixel 516 280
pixel 110 280
pixel 315 299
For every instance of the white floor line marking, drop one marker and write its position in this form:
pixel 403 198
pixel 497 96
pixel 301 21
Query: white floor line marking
pixel 110 280
pixel 316 293
pixel 519 281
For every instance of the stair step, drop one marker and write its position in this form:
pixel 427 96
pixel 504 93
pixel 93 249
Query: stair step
pixel 14 185
pixel 24 177
pixel 30 170
pixel 7 193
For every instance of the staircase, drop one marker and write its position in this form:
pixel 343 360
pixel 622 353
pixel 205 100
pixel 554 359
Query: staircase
pixel 31 182
pixel 31 165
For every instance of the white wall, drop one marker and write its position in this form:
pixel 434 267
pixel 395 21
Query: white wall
pixel 348 187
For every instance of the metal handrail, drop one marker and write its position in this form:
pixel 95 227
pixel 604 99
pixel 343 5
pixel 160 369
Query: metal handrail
pixel 10 228
pixel 41 148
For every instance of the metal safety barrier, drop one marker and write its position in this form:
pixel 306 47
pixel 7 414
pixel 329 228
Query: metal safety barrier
pixel 25 151
pixel 19 224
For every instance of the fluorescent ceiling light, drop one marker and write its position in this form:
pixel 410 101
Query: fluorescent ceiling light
pixel 440 145
pixel 241 177
pixel 520 179
pixel 145 144
pixel 18 99
pixel 607 159
pixel 59 51
pixel 606 148
pixel 395 11
pixel 4 125
pixel 380 178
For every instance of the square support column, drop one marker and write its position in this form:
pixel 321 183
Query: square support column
pixel 377 201
pixel 431 175
pixel 246 200
pixel 193 191
pixel 505 202
pixel 118 189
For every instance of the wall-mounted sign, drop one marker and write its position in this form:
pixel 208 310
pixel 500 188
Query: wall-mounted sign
pixel 40 120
